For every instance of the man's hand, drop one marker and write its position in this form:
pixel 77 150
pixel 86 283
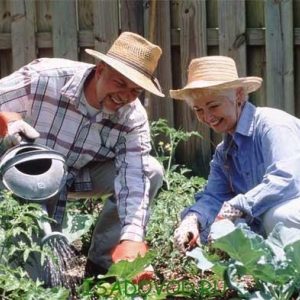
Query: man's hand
pixel 187 234
pixel 129 250
pixel 229 212
pixel 16 129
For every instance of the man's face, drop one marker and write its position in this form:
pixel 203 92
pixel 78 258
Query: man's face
pixel 219 111
pixel 114 90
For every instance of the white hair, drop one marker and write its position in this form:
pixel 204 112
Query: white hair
pixel 196 94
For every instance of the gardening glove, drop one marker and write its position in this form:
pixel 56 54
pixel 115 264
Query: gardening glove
pixel 229 212
pixel 129 250
pixel 187 235
pixel 13 127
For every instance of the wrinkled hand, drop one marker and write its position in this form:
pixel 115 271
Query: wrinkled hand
pixel 187 235
pixel 15 129
pixel 129 250
pixel 229 212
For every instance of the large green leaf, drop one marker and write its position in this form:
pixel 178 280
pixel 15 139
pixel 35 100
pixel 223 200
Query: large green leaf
pixel 221 228
pixel 201 261
pixel 280 237
pixel 293 257
pixel 249 248
pixel 127 270
pixel 75 225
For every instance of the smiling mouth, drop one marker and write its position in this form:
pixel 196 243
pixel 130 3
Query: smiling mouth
pixel 213 124
pixel 116 101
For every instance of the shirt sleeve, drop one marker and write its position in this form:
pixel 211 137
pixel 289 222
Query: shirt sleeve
pixel 15 91
pixel 281 182
pixel 210 200
pixel 132 182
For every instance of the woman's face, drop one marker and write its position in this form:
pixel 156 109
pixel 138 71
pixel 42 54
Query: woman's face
pixel 220 111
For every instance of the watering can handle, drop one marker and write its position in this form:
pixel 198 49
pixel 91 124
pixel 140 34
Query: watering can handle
pixel 27 156
pixel 25 139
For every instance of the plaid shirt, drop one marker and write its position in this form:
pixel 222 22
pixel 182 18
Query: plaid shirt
pixel 47 94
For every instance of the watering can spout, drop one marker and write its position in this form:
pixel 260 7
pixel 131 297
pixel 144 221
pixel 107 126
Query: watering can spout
pixel 49 234
pixel 46 225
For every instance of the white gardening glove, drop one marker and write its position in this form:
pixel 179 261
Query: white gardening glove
pixel 229 212
pixel 187 235
pixel 15 130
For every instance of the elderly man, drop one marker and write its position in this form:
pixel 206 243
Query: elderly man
pixel 254 173
pixel 92 115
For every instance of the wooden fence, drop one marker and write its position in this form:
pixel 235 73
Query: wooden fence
pixel 262 36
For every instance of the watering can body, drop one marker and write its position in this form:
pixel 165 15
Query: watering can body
pixel 33 172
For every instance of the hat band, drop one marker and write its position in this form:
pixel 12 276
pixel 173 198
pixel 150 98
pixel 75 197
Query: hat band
pixel 137 68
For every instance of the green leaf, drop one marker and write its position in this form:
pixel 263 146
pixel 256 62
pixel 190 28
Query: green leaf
pixel 261 296
pixel 280 237
pixel 293 257
pixel 221 228
pixel 76 225
pixel 230 275
pixel 201 261
pixel 250 249
pixel 127 270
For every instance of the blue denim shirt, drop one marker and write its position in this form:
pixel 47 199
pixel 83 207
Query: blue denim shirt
pixel 264 166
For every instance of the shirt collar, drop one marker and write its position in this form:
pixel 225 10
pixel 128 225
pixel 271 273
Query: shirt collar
pixel 74 87
pixel 245 124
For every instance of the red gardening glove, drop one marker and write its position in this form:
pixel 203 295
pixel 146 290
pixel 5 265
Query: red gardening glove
pixel 129 250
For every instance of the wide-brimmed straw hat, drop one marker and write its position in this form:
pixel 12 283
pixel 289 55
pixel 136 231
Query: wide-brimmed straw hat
pixel 134 57
pixel 215 73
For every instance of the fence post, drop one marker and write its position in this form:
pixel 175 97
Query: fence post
pixel 279 54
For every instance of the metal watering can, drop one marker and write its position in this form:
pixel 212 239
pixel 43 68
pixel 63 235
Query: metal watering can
pixel 35 173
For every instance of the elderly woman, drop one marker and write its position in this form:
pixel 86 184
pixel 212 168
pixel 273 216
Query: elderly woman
pixel 255 171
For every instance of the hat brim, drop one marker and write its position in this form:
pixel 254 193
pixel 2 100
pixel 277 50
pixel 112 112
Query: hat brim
pixel 133 75
pixel 249 84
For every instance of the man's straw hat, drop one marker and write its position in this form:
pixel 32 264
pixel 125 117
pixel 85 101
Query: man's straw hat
pixel 215 73
pixel 135 58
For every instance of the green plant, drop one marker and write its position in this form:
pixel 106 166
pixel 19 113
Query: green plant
pixel 19 230
pixel 121 287
pixel 273 263
pixel 176 194
pixel 165 151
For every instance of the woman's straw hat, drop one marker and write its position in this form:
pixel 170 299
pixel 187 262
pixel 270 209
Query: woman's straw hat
pixel 135 58
pixel 215 73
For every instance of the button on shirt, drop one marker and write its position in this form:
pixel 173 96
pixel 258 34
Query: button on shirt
pixel 47 94
pixel 263 160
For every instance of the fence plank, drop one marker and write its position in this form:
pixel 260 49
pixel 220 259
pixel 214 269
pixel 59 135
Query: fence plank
pixel 193 44
pixel 296 19
pixel 44 26
pixel 162 107
pixel 85 27
pixel 279 54
pixel 106 24
pixel 232 29
pixel 255 13
pixel 64 29
pixel 5 29
pixel 23 32
pixel 132 16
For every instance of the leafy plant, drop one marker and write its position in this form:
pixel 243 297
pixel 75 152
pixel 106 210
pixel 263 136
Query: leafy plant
pixel 273 263
pixel 19 229
pixel 165 151
pixel 176 194
pixel 122 286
